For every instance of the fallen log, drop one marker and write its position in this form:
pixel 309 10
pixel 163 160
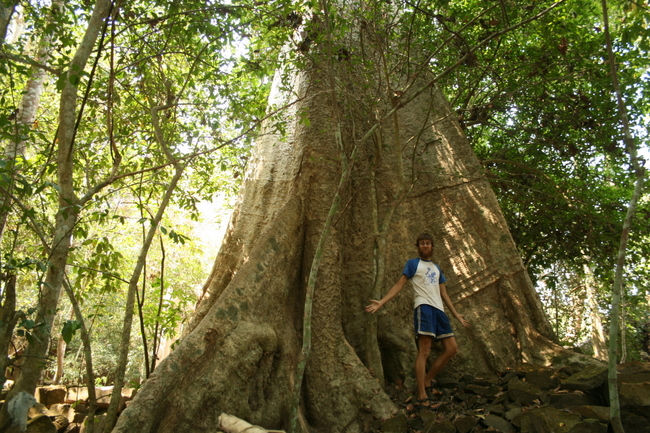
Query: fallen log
pixel 232 424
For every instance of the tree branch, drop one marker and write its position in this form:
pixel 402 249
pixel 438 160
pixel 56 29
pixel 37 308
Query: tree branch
pixel 34 224
pixel 114 177
pixel 30 62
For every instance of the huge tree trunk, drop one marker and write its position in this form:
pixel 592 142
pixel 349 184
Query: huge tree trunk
pixel 416 171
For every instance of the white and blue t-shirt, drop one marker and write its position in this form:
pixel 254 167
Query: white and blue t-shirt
pixel 426 277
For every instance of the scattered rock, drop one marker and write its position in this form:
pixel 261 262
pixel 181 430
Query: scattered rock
pixel 465 423
pixel 576 398
pixel 65 410
pixel 70 418
pixel 586 380
pixel 635 394
pixel 428 416
pixel 600 413
pixel 513 413
pixel 531 399
pixel 634 369
pixel 548 419
pixel 440 426
pixel 476 389
pixel 102 393
pixel 467 379
pixel 523 392
pixel 39 409
pixel 396 424
pixel 60 422
pixel 498 423
pixel 544 378
pixel 497 409
pixel 487 380
pixel 633 423
pixel 511 374
pixel 49 395
pixel 493 391
pixel 73 428
pixel 589 426
pixel 41 424
pixel 446 382
pixel 98 426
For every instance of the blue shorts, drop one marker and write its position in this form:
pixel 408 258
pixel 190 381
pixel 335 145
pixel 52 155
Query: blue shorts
pixel 431 321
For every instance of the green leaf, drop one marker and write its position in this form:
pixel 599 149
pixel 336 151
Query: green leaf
pixel 69 329
pixel 27 324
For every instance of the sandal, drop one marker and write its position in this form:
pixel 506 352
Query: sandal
pixel 427 403
pixel 431 390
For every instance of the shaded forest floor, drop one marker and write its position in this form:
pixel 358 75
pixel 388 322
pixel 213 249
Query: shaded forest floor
pixel 528 399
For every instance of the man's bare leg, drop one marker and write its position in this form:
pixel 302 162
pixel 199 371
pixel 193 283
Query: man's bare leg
pixel 424 347
pixel 451 349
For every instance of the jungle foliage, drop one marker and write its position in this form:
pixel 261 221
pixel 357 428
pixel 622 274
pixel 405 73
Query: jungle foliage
pixel 188 82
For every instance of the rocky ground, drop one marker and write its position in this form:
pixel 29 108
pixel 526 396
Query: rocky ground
pixel 60 409
pixel 530 399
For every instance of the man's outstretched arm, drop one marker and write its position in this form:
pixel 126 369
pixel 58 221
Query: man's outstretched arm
pixel 447 300
pixel 376 305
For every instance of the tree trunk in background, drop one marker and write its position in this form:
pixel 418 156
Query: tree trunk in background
pixel 7 9
pixel 8 320
pixel 640 172
pixel 28 109
pixel 60 353
pixel 598 343
pixel 33 89
pixel 241 353
pixel 67 214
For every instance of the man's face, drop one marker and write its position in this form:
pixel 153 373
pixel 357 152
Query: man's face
pixel 425 249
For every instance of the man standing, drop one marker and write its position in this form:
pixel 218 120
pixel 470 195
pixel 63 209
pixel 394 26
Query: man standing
pixel 429 317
